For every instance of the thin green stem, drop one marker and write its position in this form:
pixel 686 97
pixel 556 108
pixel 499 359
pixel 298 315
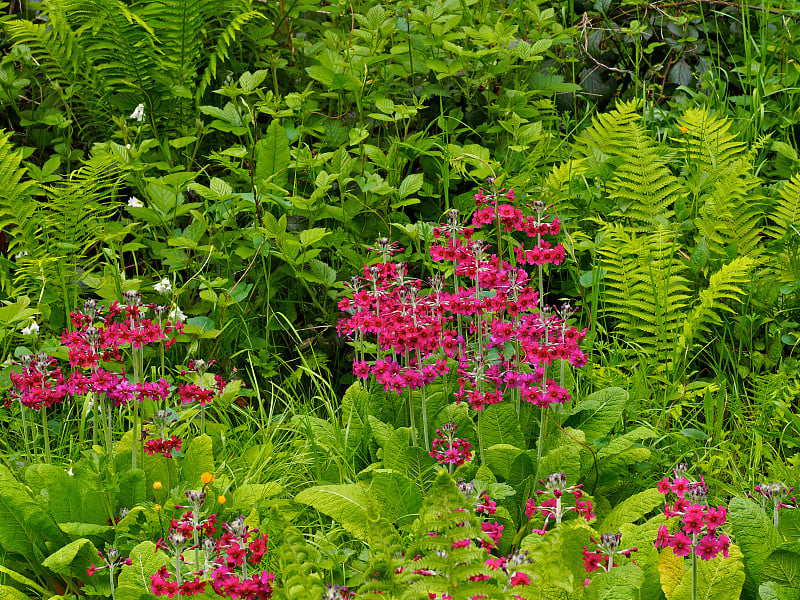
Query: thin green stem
pixel 46 433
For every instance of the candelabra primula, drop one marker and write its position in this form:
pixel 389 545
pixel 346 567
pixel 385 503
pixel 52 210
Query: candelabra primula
pixel 603 556
pixel 552 504
pixel 775 496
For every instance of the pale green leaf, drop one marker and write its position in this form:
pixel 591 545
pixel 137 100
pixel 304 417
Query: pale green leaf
pixel 597 414
pixel 501 426
pixel 620 583
pixel 346 504
pixel 273 156
pixel 399 499
pixel 755 535
pixel 73 559
pixel 717 579
pixel 411 184
pixel 145 561
pixel 632 509
pixel 199 459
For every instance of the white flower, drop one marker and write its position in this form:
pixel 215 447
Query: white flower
pixel 176 314
pixel 31 329
pixel 135 202
pixel 70 473
pixel 138 113
pixel 163 287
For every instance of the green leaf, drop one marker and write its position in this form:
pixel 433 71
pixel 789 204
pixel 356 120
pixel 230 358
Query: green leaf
pixel 199 459
pixel 24 526
pixel 19 578
pixel 250 494
pixel 410 185
pixel 620 583
pixel 773 591
pixel 501 426
pixel 145 561
pixel 597 414
pixel 631 509
pixel 783 565
pixel 273 156
pixel 755 535
pixel 9 593
pixel 84 529
pixel 398 498
pixel 700 254
pixel 561 458
pixel 717 579
pixel 57 487
pixel 312 236
pixel 73 559
pixel 346 504
pixel 500 458
pixel 672 569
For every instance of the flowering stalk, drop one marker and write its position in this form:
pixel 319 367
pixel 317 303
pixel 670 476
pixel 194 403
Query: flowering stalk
pixel 603 556
pixel 112 561
pixel 553 507
pixel 449 449
pixel 775 494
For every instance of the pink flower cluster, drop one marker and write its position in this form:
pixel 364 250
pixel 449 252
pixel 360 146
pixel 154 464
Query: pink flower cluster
pixel 449 449
pixel 603 556
pixel 700 524
pixel 493 307
pixel 553 505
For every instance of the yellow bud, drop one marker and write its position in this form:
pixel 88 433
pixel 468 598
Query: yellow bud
pixel 206 478
pixel 684 130
pixel 157 485
pixel 222 499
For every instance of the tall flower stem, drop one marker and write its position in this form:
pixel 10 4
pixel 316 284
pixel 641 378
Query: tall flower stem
pixel 25 432
pixel 46 433
pixel 694 572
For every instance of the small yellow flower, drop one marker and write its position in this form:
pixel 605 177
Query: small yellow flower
pixel 206 478
pixel 157 485
pixel 684 130
pixel 222 499
pixel 157 507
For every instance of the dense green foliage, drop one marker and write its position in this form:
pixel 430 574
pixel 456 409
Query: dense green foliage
pixel 234 161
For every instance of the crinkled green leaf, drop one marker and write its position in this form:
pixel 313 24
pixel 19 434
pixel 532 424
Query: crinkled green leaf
pixel 250 494
pixel 500 458
pixel 754 534
pixel 620 583
pixel 398 499
pixel 773 591
pixel 58 489
pixel 145 561
pixel 783 565
pixel 597 414
pixel 631 509
pixel 346 504
pixel 73 559
pixel 9 593
pixel 500 425
pixel 199 459
pixel 717 579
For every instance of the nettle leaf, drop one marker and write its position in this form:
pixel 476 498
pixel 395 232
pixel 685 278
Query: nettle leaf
pixel 199 459
pixel 620 583
pixel 597 414
pixel 346 504
pixel 717 579
pixel 273 156
pixel 410 185
pixel 632 509
pixel 24 526
pixel 501 426
pixel 755 534
pixel 782 566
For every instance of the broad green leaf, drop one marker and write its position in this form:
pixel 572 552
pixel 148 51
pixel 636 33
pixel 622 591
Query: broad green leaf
pixel 420 467
pixel 672 569
pixel 500 458
pixel 54 484
pixel 631 509
pixel 620 583
pixel 355 406
pixel 561 458
pixel 783 565
pixel 381 431
pixel 161 469
pixel 501 426
pixel 73 559
pixel 20 578
pixel 399 499
pixel 773 591
pixel 394 452
pixel 346 504
pixel 643 537
pixel 24 526
pixel 272 156
pixel 9 593
pixel 84 529
pixel 145 561
pixel 410 185
pixel 250 494
pixel 199 459
pixel 132 488
pixel 755 535
pixel 311 236
pixel 717 579
pixel 597 415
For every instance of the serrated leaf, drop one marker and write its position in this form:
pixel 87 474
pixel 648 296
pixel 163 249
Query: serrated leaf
pixel 632 509
pixel 199 459
pixel 773 591
pixel 755 535
pixel 273 156
pixel 783 565
pixel 62 496
pixel 346 504
pixel 312 236
pixel 399 499
pixel 700 254
pixel 411 184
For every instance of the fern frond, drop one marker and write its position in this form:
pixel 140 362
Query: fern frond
pixel 644 188
pixel 17 208
pixel 608 133
pixel 785 213
pixel 731 214
pixel 708 144
pixel 725 286
pixel 297 576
